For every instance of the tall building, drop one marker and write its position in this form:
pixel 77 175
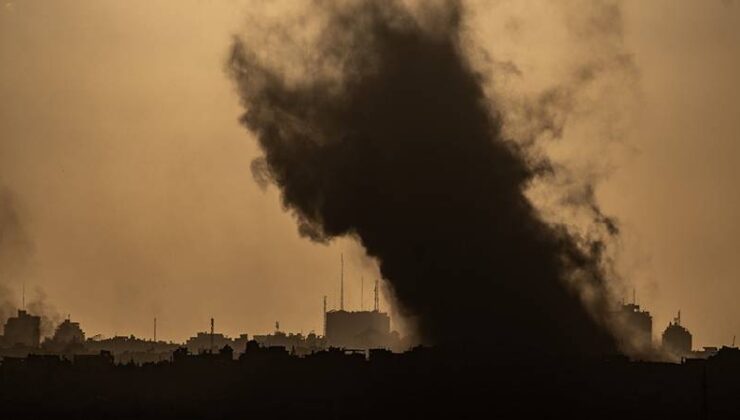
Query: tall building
pixel 69 332
pixel 23 330
pixel 639 325
pixel 358 329
pixel 676 338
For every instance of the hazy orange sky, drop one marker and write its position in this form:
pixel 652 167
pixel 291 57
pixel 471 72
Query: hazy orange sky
pixel 119 138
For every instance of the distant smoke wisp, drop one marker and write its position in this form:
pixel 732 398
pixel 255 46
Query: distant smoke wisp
pixel 15 249
pixel 374 124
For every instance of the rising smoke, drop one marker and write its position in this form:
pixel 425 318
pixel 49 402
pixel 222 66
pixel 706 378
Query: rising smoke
pixel 375 124
pixel 15 251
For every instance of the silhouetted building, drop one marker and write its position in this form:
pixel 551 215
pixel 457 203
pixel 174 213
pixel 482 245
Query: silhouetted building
pixel 132 349
pixel 639 324
pixel 69 332
pixel 704 353
pixel 102 360
pixel 240 344
pixel 298 344
pixel 23 330
pixel 68 338
pixel 208 342
pixel 358 329
pixel 182 356
pixel 268 382
pixel 255 353
pixel 676 338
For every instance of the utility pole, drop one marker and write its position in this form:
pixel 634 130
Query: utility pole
pixel 324 315
pixel 155 329
pixel 211 335
pixel 362 293
pixel 341 282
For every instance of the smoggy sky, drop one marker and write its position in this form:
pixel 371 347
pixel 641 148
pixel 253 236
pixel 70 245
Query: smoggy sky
pixel 130 173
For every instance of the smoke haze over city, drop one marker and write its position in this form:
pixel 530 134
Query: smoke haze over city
pixel 127 179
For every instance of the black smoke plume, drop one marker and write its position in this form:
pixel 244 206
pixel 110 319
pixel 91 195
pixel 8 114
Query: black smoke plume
pixel 381 130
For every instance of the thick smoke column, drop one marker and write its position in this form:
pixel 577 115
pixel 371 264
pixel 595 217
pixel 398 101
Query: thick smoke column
pixel 390 138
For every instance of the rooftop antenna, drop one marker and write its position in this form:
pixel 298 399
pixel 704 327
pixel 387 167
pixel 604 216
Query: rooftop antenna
pixel 376 296
pixel 155 329
pixel 211 335
pixel 678 318
pixel 362 293
pixel 23 299
pixel 634 296
pixel 733 340
pixel 341 283
pixel 324 315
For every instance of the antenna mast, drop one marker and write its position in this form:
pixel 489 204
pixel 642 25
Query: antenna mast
pixel 376 296
pixel 362 293
pixel 155 329
pixel 324 315
pixel 23 301
pixel 211 335
pixel 341 283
